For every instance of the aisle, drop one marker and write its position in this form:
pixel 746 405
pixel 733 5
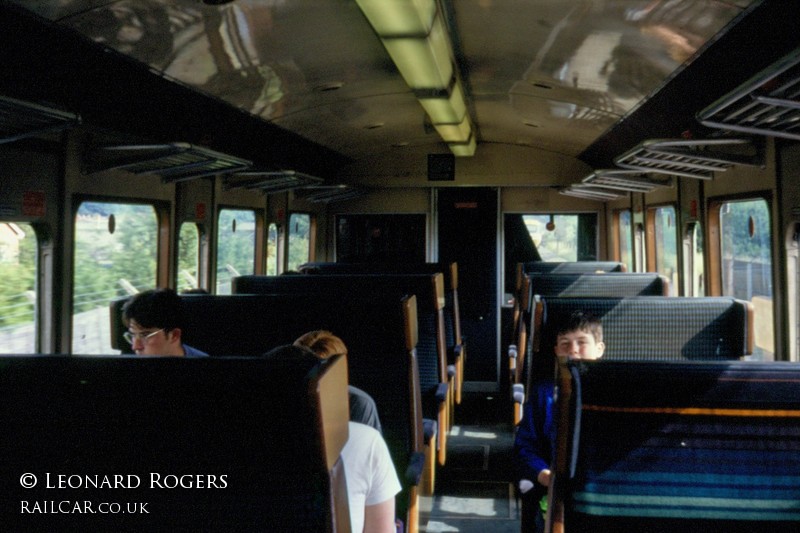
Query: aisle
pixel 473 493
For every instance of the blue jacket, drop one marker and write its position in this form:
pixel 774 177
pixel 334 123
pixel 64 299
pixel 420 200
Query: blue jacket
pixel 534 443
pixel 188 351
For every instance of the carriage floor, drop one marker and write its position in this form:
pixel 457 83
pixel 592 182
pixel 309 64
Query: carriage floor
pixel 473 493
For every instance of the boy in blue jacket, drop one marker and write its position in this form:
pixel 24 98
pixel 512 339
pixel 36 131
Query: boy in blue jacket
pixel 580 336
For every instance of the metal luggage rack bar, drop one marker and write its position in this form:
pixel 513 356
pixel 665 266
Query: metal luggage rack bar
pixel 766 104
pixel 331 193
pixel 173 162
pixel 625 180
pixel 591 193
pixel 270 182
pixel 697 159
pixel 19 119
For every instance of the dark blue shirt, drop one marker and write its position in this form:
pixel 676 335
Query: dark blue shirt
pixel 188 351
pixel 534 443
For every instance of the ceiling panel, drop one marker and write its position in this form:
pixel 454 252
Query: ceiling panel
pixel 552 74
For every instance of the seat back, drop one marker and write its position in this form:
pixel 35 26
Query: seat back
pixel 454 342
pixel 679 446
pixel 655 328
pixel 429 292
pixel 222 444
pixel 579 285
pixel 376 331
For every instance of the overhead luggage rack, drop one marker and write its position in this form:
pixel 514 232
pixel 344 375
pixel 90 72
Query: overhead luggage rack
pixel 766 104
pixel 332 193
pixel 625 180
pixel 173 162
pixel 270 182
pixel 591 193
pixel 20 119
pixel 697 159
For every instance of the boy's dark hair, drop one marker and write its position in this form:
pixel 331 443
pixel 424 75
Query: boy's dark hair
pixel 155 308
pixel 581 321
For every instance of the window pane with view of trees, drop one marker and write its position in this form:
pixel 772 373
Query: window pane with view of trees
pixel 626 239
pixel 569 238
pixel 747 265
pixel 188 256
pixel 272 250
pixel 236 246
pixel 17 288
pixel 299 240
pixel 666 245
pixel 115 256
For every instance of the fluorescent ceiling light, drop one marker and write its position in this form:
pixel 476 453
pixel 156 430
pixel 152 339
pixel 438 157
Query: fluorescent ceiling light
pixel 450 110
pixel 399 17
pixel 458 133
pixel 423 63
pixel 466 149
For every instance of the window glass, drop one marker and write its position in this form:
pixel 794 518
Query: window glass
pixel 746 256
pixel 272 249
pixel 116 249
pixel 666 245
pixel 694 262
pixel 299 240
pixel 188 257
pixel 17 288
pixel 563 237
pixel 625 236
pixel 236 246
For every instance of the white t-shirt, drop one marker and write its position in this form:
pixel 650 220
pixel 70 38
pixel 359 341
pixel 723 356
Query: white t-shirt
pixel 370 474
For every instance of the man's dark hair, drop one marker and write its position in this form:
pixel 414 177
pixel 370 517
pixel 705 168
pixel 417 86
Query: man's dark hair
pixel 581 321
pixel 155 308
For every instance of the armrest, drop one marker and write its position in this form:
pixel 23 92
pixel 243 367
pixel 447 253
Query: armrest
pixel 416 464
pixel 429 429
pixel 441 392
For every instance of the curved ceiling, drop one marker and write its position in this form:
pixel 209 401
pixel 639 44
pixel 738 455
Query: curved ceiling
pixel 553 75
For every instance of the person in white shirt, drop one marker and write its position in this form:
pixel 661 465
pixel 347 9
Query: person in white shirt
pixel 372 482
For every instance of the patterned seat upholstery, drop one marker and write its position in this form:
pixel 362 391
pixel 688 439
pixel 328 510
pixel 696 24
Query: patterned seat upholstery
pixel 678 446
pixel 380 360
pixel 662 328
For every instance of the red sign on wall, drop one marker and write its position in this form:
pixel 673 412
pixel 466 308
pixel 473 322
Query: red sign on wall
pixel 33 204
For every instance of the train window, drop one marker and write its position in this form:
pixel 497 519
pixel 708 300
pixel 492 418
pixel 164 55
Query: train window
pixel 745 263
pixel 189 257
pixel 236 246
pixel 694 278
pixel 272 249
pixel 662 256
pixel 300 239
pixel 623 233
pixel 116 248
pixel 380 238
pixel 564 237
pixel 18 245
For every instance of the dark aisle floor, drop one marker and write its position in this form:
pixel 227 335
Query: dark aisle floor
pixel 473 493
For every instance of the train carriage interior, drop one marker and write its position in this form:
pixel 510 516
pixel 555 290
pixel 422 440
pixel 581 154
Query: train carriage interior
pixel 528 155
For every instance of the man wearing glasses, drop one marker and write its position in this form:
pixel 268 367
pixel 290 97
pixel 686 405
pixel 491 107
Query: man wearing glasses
pixel 154 319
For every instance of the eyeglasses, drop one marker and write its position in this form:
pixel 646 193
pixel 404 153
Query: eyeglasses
pixel 142 336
